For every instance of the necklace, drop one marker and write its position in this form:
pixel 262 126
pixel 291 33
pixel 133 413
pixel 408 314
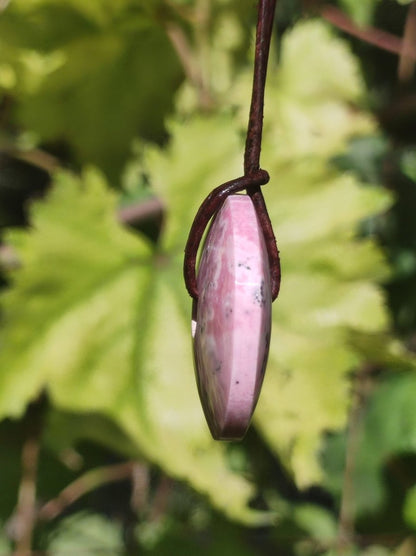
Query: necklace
pixel 238 276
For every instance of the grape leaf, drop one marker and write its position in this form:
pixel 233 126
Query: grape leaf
pixel 328 283
pixel 102 321
pixel 328 274
pixel 95 317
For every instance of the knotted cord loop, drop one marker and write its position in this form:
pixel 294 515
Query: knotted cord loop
pixel 254 177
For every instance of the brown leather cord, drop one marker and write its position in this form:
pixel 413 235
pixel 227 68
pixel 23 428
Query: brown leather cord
pixel 254 177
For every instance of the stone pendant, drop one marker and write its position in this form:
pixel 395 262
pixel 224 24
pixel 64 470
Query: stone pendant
pixel 231 320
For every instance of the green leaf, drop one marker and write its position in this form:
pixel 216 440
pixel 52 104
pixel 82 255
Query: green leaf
pixel 387 427
pixel 364 156
pixel 316 211
pixel 408 164
pixel 409 510
pixel 317 522
pixel 382 349
pixel 328 275
pixel 103 322
pixel 97 319
pixel 96 60
pixel 64 430
pixel 5 544
pixel 185 172
pixel 64 263
pixel 362 12
pixel 218 537
pixel 84 533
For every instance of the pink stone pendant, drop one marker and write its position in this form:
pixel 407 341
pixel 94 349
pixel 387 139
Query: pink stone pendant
pixel 232 318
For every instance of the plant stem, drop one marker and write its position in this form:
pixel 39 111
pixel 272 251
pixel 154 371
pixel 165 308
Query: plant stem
pixel 377 37
pixel 86 483
pixel 140 477
pixel 191 67
pixel 148 209
pixel 201 33
pixel 24 519
pixel 39 158
pixel 21 524
pixel 407 59
pixel 161 499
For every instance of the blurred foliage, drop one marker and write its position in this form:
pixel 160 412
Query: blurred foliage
pixel 86 533
pixel 117 119
pixel 362 11
pixel 94 62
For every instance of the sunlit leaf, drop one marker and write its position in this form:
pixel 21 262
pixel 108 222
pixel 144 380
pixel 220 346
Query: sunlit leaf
pixel 327 277
pixel 102 321
pixel 97 320
pixel 85 533
pixel 326 273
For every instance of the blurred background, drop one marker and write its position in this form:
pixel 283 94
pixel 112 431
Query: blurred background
pixel 116 120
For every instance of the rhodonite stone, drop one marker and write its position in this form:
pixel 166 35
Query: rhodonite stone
pixel 232 318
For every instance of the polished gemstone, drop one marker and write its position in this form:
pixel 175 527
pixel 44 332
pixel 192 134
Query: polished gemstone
pixel 232 318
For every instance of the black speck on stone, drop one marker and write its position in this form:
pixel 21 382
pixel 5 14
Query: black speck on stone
pixel 244 265
pixel 259 296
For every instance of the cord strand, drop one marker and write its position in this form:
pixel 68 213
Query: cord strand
pixel 254 177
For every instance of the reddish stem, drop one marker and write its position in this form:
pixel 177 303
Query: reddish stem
pixel 407 58
pixel 371 35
